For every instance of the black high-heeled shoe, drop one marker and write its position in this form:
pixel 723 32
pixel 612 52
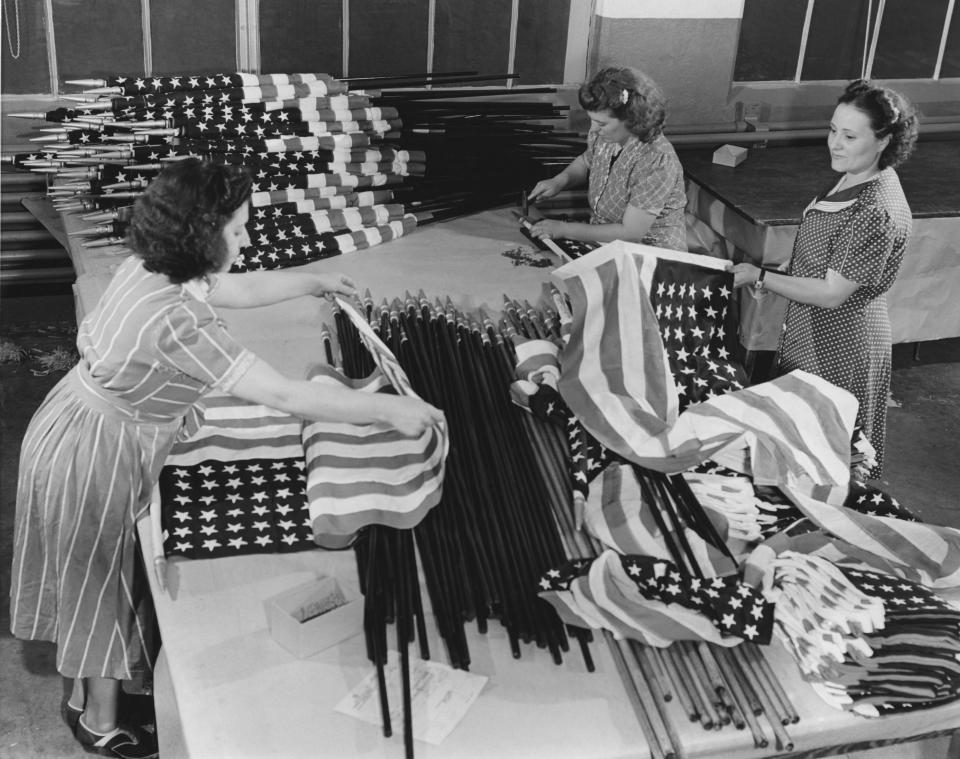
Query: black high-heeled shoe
pixel 121 742
pixel 71 714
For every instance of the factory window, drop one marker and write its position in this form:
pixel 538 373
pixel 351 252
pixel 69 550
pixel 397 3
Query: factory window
pixel 833 40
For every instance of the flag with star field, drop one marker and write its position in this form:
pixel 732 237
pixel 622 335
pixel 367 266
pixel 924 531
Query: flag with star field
pixel 237 486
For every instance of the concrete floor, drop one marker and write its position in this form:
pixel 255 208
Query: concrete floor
pixel 922 471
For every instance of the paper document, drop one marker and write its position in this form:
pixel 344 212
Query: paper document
pixel 440 696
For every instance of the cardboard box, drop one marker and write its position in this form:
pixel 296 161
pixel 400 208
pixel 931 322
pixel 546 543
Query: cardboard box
pixel 312 617
pixel 729 155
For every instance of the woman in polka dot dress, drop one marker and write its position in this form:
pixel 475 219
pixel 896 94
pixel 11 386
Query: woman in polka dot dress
pixel 847 254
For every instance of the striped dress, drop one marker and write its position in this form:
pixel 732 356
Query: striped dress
pixel 91 456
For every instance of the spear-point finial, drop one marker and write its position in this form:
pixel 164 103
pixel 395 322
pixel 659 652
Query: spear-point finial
pixel 28 115
pixel 92 231
pixel 87 82
pixel 104 91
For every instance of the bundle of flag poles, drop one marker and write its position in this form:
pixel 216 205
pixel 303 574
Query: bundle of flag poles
pixel 339 165
pixel 505 521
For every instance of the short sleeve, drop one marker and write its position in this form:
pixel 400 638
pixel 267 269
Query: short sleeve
pixel 862 248
pixel 192 340
pixel 653 182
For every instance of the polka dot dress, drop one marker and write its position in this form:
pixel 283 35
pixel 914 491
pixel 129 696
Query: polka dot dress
pixel 861 233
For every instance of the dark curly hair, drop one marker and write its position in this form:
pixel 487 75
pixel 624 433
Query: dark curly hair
pixel 177 224
pixel 890 113
pixel 629 95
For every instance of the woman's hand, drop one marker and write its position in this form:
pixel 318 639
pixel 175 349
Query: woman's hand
pixel 546 188
pixel 411 416
pixel 331 285
pixel 745 274
pixel 549 229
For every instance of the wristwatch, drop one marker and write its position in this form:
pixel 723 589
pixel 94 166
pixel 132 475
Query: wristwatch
pixel 758 285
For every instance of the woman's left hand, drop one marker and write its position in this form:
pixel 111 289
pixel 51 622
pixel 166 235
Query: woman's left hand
pixel 549 229
pixel 745 274
pixel 331 285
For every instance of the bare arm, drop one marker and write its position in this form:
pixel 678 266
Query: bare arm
pixel 309 400
pixel 261 288
pixel 574 175
pixel 635 225
pixel 829 292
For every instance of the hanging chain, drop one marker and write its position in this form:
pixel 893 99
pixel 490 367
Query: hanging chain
pixel 6 23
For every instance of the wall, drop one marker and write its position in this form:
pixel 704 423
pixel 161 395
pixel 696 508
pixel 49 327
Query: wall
pixel 689 47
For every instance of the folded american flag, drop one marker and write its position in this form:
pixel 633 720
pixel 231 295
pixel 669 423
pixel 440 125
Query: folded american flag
pixel 363 474
pixel 237 485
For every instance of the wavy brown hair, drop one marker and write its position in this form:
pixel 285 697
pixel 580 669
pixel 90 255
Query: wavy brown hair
pixel 629 95
pixel 177 224
pixel 890 113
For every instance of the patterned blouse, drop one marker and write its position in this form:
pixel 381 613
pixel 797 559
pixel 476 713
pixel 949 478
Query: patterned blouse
pixel 157 346
pixel 645 175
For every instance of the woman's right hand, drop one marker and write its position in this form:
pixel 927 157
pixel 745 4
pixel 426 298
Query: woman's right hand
pixel 546 188
pixel 411 416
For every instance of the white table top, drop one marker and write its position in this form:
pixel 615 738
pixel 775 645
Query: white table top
pixel 239 694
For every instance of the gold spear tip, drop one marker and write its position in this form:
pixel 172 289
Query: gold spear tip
pixel 50 138
pixel 104 91
pixel 28 115
pixel 87 82
pixel 101 216
pixel 91 231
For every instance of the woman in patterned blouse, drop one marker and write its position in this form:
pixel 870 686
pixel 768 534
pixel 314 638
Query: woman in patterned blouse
pixel 846 256
pixel 151 349
pixel 635 190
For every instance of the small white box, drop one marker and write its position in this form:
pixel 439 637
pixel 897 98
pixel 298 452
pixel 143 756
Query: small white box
pixel 314 616
pixel 729 155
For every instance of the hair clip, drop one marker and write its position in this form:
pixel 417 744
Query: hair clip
pixel 624 97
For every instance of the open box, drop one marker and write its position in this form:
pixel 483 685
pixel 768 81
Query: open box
pixel 314 616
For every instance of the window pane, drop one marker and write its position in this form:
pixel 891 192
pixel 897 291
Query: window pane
pixel 769 40
pixel 29 73
pixel 542 41
pixel 189 38
pixel 388 37
pixel 909 39
pixel 837 42
pixel 472 35
pixel 98 39
pixel 301 36
pixel 951 55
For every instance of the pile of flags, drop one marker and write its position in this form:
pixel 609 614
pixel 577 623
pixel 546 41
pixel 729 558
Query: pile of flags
pixel 337 168
pixel 850 593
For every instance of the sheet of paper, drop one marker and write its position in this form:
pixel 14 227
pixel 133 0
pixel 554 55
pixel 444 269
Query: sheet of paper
pixel 440 696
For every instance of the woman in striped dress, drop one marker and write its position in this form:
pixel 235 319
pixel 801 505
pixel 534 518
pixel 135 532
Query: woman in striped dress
pixel 94 449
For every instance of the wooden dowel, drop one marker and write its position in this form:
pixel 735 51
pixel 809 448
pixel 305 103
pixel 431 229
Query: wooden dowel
pixel 767 701
pixel 762 666
pixel 760 740
pixel 679 685
pixel 657 741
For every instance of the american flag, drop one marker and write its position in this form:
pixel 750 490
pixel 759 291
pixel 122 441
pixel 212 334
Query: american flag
pixel 302 250
pixel 650 599
pixel 916 551
pixel 868 641
pixel 237 485
pixel 363 474
pixel 617 378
